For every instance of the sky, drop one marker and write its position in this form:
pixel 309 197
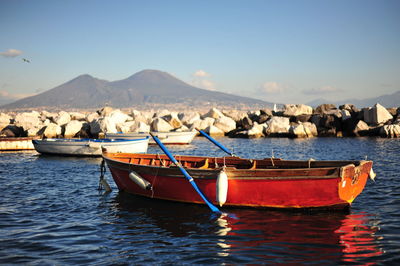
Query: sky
pixel 279 51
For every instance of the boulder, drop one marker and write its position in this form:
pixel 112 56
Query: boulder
pixel 213 113
pixel 28 120
pixel 5 120
pixel 225 124
pixel 139 126
pixel 12 131
pixel 52 130
pixel 62 118
pixel 77 116
pixel 235 114
pixel 161 113
pixel 297 109
pixel 278 126
pixel 118 117
pixel 245 123
pixel 137 116
pixel 325 109
pixel 361 129
pixel 188 118
pixel 105 111
pixel 390 131
pixel 91 117
pixel 257 131
pixel 303 130
pixel 345 114
pixel 173 120
pixel 85 131
pixel 300 118
pixel 72 128
pixel 376 115
pixel 160 125
pixel 214 131
pixel 102 125
pixel 203 123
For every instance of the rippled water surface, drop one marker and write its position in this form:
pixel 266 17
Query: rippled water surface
pixel 52 213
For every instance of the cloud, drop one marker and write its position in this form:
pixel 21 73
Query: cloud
pixel 272 88
pixel 200 80
pixel 14 96
pixel 11 53
pixel 322 90
pixel 201 73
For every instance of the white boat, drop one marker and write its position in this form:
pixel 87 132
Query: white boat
pixel 183 137
pixel 90 147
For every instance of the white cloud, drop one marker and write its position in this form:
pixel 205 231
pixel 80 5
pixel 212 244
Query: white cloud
pixel 322 90
pixel 272 87
pixel 11 53
pixel 14 96
pixel 201 73
pixel 200 80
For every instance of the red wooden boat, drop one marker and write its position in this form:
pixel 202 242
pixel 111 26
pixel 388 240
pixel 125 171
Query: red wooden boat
pixel 238 182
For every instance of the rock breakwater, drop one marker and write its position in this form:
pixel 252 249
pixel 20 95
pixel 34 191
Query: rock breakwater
pixel 294 121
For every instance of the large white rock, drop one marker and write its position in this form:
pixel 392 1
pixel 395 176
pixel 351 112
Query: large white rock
pixel 390 131
pixel 213 113
pixel 139 117
pixel 188 118
pixel 135 126
pixel 160 125
pixel 214 131
pixel 173 120
pixel 92 116
pixel 72 128
pixel 303 130
pixel 225 123
pixel 161 113
pixel 278 125
pixel 118 117
pixel 62 118
pixel 203 123
pixel 77 116
pixel 235 115
pixel 4 120
pixel 28 120
pixel 297 109
pixel 257 130
pixel 52 130
pixel 103 124
pixel 377 115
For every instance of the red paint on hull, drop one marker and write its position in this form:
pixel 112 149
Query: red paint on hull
pixel 296 188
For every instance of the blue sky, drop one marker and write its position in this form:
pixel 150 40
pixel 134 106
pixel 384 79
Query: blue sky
pixel 279 51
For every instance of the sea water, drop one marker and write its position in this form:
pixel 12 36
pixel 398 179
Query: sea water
pixel 52 213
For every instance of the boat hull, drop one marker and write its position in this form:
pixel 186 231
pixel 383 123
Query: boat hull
pixel 89 147
pixel 334 188
pixel 16 144
pixel 175 138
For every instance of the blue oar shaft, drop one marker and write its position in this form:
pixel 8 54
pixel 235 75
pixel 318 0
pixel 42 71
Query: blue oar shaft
pixel 222 147
pixel 185 173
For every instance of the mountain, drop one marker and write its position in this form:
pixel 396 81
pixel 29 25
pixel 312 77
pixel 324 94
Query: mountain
pixel 388 101
pixel 144 87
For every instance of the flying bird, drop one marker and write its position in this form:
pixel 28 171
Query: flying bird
pixel 26 60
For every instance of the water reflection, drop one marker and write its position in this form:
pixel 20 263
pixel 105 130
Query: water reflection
pixel 262 236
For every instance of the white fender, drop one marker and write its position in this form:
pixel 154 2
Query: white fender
pixel 140 181
pixel 372 174
pixel 222 188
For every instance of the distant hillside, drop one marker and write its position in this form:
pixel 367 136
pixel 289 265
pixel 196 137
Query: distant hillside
pixel 388 101
pixel 144 87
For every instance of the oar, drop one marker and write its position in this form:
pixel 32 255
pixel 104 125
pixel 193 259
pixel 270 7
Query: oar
pixel 186 174
pixel 222 147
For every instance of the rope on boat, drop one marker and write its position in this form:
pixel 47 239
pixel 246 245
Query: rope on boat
pixel 103 182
